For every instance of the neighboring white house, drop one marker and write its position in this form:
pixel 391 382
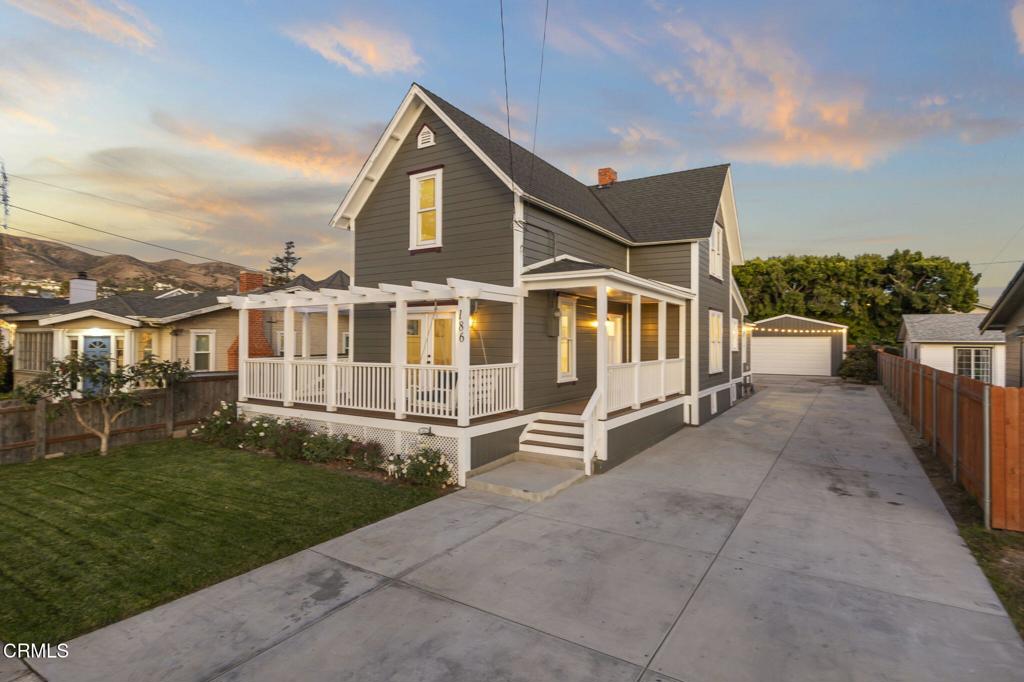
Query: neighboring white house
pixel 953 343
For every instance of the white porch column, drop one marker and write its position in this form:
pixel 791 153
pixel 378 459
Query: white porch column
pixel 351 332
pixel 399 354
pixel 288 363
pixel 305 335
pixel 332 357
pixel 602 351
pixel 243 355
pixel 634 347
pixel 682 345
pixel 462 359
pixel 662 345
pixel 517 349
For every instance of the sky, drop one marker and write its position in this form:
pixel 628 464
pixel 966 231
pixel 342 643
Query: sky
pixel 226 128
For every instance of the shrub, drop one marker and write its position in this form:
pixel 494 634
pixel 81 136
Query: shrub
pixel 223 427
pixel 426 466
pixel 367 455
pixel 286 439
pixel 860 365
pixel 323 447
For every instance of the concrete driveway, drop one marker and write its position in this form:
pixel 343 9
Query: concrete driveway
pixel 793 538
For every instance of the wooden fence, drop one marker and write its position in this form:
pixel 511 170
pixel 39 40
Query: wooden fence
pixel 973 427
pixel 30 432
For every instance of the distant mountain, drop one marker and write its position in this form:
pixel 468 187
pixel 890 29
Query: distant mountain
pixel 41 259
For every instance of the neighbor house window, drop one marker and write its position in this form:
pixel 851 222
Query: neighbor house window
pixel 145 345
pixel 566 338
pixel 202 350
pixel 716 255
pixel 346 342
pixel 279 338
pixel 715 347
pixel 425 209
pixel 119 351
pixel 975 363
pixel 33 350
pixel 734 334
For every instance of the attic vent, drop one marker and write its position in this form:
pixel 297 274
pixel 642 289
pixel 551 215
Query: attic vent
pixel 425 138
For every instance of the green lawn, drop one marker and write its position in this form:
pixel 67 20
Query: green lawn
pixel 89 540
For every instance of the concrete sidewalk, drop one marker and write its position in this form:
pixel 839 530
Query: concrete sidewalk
pixel 793 538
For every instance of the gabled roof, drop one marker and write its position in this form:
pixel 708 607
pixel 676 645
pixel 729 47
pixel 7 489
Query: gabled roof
pixel 137 306
pixel 1007 305
pixel 948 328
pixel 798 317
pixel 26 305
pixel 339 279
pixel 679 206
pixel 565 265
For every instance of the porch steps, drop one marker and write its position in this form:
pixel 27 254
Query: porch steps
pixel 562 437
pixel 526 476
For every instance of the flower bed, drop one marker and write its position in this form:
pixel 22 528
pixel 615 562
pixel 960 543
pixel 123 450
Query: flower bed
pixel 294 440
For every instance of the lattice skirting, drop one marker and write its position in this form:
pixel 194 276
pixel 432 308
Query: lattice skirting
pixel 397 440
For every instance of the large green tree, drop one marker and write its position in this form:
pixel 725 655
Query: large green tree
pixel 870 293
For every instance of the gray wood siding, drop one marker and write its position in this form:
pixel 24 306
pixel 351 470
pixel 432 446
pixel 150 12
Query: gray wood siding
pixel 668 263
pixel 737 355
pixel 803 325
pixel 714 295
pixel 1014 351
pixel 476 218
pixel 547 235
pixel 635 437
pixel 649 332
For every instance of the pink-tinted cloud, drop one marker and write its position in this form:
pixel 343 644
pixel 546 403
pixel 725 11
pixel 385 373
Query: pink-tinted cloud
pixel 120 23
pixel 359 46
pixel 313 154
pixel 1017 21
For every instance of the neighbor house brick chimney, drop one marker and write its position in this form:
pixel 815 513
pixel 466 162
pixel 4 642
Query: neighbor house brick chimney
pixel 606 176
pixel 259 347
pixel 81 289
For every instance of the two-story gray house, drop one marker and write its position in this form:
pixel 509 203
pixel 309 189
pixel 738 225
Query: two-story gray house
pixel 499 305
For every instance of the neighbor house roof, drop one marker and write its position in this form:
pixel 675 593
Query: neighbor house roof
pixel 338 279
pixel 133 307
pixel 24 305
pixel 946 328
pixel 1007 305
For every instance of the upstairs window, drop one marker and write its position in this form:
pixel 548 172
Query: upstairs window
pixel 716 255
pixel 566 338
pixel 425 138
pixel 425 209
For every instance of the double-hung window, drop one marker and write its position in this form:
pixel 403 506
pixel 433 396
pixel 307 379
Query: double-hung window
pixel 202 350
pixel 734 335
pixel 425 209
pixel 975 363
pixel 715 342
pixel 33 350
pixel 566 338
pixel 716 255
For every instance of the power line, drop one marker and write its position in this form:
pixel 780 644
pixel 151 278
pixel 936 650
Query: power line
pixel 540 79
pixel 998 253
pixel 61 241
pixel 111 199
pixel 132 239
pixel 508 110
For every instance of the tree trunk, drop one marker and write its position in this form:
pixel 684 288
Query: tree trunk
pixel 104 444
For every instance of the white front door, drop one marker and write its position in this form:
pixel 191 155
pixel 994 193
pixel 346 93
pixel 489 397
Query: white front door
pixel 430 338
pixel 615 339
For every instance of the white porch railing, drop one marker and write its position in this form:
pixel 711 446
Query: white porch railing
pixel 429 390
pixel 626 389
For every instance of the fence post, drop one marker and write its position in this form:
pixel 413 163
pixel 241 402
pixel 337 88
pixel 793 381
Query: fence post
pixel 956 428
pixel 935 411
pixel 920 396
pixel 986 403
pixel 169 410
pixel 39 430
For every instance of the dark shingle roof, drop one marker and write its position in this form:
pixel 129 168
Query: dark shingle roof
pixel 666 207
pixel 338 279
pixel 27 305
pixel 146 305
pixel 566 265
pixel 962 327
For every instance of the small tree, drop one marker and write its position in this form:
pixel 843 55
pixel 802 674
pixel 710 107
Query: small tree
pixel 282 268
pixel 114 392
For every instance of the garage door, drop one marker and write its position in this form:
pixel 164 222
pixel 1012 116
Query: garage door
pixel 809 355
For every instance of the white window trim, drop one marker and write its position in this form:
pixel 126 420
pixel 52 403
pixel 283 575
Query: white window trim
pixel 212 333
pixel 974 364
pixel 414 242
pixel 346 343
pixel 428 140
pixel 716 362
pixel 571 374
pixel 716 255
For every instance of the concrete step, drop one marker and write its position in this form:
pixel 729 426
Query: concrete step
pixel 524 479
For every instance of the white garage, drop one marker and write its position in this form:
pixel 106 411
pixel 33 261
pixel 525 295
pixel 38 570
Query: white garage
pixel 790 344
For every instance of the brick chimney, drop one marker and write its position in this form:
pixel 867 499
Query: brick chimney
pixel 606 176
pixel 259 347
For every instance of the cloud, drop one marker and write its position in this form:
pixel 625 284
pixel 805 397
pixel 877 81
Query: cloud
pixel 641 139
pixel 587 38
pixel 1017 21
pixel 34 82
pixel 121 23
pixel 358 46
pixel 313 154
